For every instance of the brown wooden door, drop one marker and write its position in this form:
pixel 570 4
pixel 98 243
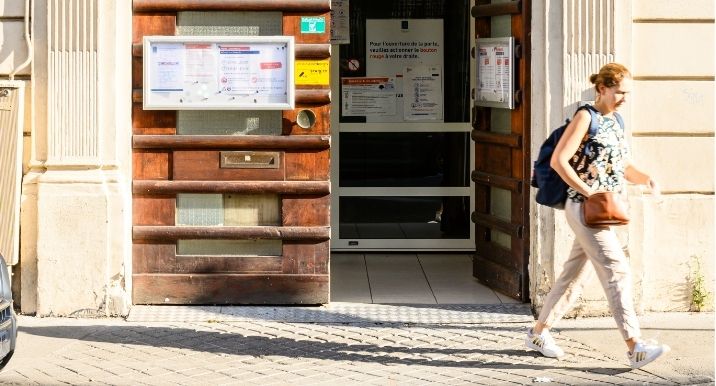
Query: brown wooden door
pixel 502 166
pixel 272 244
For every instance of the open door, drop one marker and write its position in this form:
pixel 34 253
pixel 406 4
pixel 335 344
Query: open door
pixel 502 166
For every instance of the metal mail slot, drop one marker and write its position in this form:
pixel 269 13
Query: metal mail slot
pixel 249 159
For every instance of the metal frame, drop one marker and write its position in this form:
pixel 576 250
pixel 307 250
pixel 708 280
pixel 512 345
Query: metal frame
pixel 289 104
pixel 508 42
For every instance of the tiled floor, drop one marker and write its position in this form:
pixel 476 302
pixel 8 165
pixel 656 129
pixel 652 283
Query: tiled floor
pixel 408 278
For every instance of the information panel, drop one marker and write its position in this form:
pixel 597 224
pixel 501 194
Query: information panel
pixel 495 72
pixel 219 73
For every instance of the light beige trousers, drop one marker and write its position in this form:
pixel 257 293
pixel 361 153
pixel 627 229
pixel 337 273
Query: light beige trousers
pixel 603 249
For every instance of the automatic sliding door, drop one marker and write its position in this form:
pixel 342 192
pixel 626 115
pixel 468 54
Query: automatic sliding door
pixel 402 151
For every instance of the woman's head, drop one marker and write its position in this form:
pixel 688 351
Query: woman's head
pixel 609 75
pixel 612 83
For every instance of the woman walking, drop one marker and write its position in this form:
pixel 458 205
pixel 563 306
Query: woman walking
pixel 604 166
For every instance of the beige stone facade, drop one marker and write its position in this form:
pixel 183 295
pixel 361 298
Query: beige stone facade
pixel 76 209
pixel 669 46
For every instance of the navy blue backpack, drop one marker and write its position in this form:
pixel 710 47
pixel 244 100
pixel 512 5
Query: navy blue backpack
pixel 551 189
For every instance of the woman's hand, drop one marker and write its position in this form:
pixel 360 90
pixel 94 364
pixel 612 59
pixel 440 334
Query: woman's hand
pixel 655 189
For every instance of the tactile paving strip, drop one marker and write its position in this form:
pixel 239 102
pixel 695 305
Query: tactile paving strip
pixel 340 313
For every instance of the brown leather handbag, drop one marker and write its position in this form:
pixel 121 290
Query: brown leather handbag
pixel 605 208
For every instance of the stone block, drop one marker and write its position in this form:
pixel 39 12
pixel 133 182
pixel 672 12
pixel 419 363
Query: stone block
pixel 14 50
pixel 673 9
pixel 675 230
pixel 694 98
pixel 680 164
pixel 673 49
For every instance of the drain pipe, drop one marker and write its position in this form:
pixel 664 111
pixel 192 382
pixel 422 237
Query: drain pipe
pixel 28 41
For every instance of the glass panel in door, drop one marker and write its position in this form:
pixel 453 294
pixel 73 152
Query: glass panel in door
pixel 402 152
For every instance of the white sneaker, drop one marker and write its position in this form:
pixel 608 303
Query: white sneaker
pixel 544 343
pixel 645 352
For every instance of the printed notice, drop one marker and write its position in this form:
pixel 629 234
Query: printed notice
pixel 246 70
pixel 368 96
pixel 167 66
pixel 313 72
pixel 422 93
pixel 200 70
pixel 494 73
pixel 394 44
pixel 340 22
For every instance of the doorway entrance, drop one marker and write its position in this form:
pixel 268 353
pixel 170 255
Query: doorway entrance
pixel 401 116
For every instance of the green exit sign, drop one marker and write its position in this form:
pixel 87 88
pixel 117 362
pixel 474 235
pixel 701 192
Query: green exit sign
pixel 313 25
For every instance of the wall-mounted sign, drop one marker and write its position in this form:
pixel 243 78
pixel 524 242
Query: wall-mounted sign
pixel 313 72
pixel 313 24
pixel 495 72
pixel 392 46
pixel 340 22
pixel 423 93
pixel 218 73
pixel 368 97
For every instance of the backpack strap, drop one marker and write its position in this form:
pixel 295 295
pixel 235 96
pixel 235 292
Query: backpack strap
pixel 620 120
pixel 594 124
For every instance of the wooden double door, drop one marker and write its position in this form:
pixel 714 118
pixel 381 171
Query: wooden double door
pixel 208 233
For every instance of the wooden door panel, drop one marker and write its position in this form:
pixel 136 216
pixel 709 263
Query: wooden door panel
pixel 216 288
pixel 323 120
pixel 153 210
pixel 205 166
pixel 294 213
pixel 153 258
pixel 230 264
pixel 151 165
pixel 501 161
pixel 308 166
pixel 166 164
pixel 153 122
pixel 494 160
pixel 306 258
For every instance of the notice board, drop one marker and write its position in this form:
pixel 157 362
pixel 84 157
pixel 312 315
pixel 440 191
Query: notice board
pixel 495 74
pixel 219 73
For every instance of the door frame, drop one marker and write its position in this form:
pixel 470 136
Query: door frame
pixel 395 245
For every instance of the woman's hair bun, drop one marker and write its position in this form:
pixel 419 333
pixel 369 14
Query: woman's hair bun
pixel 593 78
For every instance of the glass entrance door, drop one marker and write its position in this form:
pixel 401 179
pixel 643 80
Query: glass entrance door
pixel 401 151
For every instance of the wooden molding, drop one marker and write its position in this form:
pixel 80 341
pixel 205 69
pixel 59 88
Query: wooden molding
pixel 166 187
pixel 173 233
pixel 226 142
pixel 314 6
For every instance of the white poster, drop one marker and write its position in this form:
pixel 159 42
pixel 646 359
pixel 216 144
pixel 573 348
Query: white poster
pixel 368 97
pixel 494 72
pixel 394 44
pixel 246 70
pixel 422 93
pixel 200 69
pixel 340 22
pixel 167 67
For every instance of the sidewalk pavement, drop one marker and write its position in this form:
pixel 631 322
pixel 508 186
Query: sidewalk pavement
pixel 242 351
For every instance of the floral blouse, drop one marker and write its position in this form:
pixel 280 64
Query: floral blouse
pixel 601 159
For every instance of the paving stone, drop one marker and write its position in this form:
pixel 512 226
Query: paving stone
pixel 246 349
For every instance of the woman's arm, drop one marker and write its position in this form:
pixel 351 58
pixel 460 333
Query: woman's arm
pixel 635 175
pixel 567 147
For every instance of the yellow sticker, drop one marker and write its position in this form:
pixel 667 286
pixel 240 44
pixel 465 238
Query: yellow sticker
pixel 313 72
